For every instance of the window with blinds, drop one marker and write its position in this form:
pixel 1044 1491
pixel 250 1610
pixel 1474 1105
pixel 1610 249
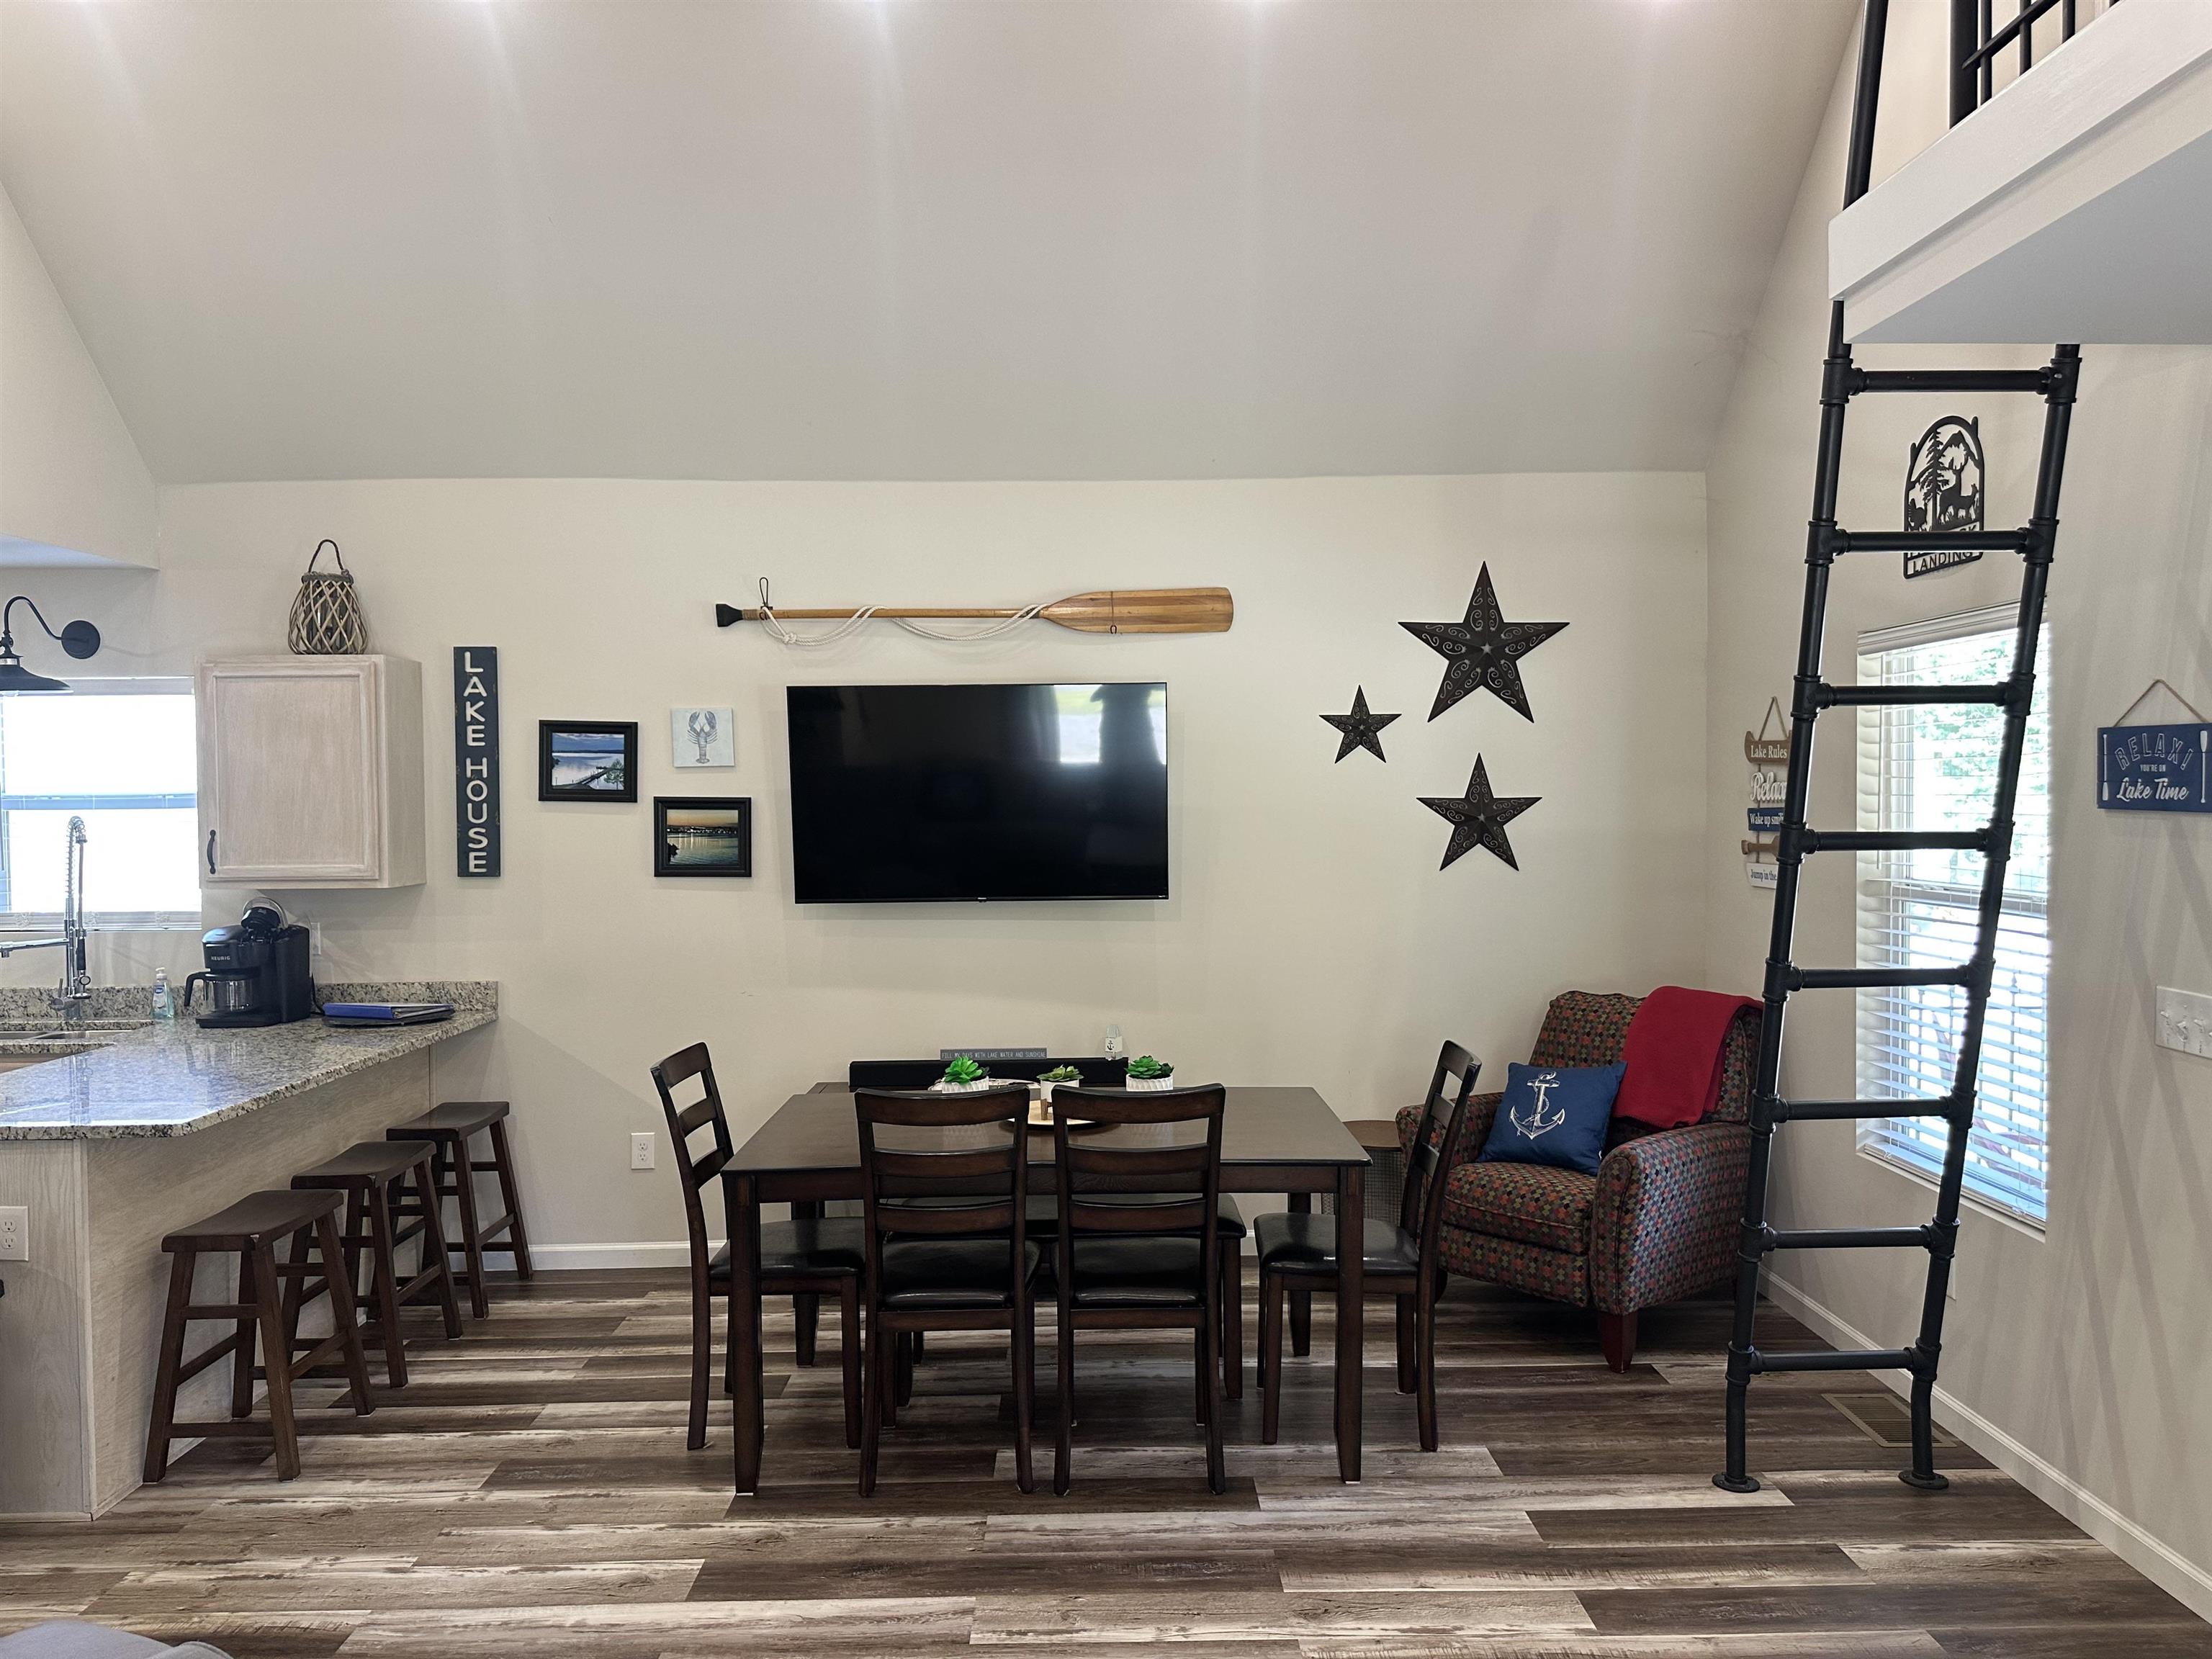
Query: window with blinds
pixel 1934 767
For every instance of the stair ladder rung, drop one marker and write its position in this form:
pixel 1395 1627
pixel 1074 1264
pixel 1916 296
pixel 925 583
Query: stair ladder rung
pixel 1848 1238
pixel 1888 840
pixel 2036 381
pixel 1906 696
pixel 1829 1111
pixel 1931 541
pixel 1830 1360
pixel 1878 979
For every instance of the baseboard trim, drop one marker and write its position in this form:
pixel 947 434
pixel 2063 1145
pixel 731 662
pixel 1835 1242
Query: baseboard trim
pixel 2151 1556
pixel 651 1253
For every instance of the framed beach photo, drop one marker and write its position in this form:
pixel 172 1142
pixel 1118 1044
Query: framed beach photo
pixel 587 759
pixel 702 836
pixel 701 736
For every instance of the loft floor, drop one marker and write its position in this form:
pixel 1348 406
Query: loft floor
pixel 529 1494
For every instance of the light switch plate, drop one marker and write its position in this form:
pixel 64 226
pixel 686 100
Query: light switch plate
pixel 640 1151
pixel 2185 1021
pixel 15 1233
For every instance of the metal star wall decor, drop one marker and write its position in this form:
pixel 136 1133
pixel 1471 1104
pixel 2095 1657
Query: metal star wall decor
pixel 1361 729
pixel 1482 651
pixel 1478 818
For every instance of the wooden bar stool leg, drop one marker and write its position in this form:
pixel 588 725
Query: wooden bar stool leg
pixel 241 1360
pixel 173 1359
pixel 262 1266
pixel 436 1258
pixel 348 1318
pixel 456 1152
pixel 383 1269
pixel 295 1295
pixel 515 1234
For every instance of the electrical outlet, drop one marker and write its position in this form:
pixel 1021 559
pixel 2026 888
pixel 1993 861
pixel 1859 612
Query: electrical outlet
pixel 15 1233
pixel 2185 1021
pixel 315 942
pixel 640 1151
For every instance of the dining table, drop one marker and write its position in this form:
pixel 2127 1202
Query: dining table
pixel 1274 1138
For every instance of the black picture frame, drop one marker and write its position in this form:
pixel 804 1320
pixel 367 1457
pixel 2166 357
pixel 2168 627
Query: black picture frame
pixel 736 808
pixel 549 730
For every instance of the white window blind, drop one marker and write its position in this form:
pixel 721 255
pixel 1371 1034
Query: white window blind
pixel 1934 767
pixel 120 755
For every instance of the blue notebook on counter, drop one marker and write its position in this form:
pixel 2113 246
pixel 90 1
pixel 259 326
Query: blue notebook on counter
pixel 385 1014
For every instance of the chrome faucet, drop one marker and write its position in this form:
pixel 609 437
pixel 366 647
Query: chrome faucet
pixel 72 998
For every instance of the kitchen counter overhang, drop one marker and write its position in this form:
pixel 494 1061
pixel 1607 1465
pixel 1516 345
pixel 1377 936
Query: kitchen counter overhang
pixel 170 1079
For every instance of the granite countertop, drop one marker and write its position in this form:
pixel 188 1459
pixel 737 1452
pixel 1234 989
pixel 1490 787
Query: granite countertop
pixel 172 1078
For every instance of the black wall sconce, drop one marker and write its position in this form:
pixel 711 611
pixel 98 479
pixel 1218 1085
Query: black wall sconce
pixel 80 638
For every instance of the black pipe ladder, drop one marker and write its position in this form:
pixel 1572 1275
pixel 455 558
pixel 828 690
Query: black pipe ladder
pixel 1842 381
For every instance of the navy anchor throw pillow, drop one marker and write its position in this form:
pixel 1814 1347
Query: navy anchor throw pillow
pixel 1553 1115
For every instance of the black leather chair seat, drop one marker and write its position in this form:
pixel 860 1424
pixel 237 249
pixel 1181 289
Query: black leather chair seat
pixel 1307 1244
pixel 833 1245
pixel 1163 1272
pixel 950 1272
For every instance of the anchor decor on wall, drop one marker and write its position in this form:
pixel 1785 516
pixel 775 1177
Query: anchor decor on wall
pixel 2155 768
pixel 1943 483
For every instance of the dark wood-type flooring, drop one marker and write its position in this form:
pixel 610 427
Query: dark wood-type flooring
pixel 529 1494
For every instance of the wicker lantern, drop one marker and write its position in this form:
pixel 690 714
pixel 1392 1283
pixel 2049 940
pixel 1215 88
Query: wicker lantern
pixel 326 617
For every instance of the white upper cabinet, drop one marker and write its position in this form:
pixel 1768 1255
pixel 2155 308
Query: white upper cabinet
pixel 311 772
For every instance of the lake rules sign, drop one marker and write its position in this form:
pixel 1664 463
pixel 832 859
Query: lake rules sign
pixel 2153 768
pixel 476 760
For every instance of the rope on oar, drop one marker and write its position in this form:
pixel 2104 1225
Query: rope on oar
pixel 844 630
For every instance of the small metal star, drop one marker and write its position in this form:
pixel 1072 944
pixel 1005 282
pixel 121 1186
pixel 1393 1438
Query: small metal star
pixel 1361 729
pixel 1483 651
pixel 1478 818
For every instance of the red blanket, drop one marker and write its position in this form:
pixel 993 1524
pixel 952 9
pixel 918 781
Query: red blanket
pixel 1674 1055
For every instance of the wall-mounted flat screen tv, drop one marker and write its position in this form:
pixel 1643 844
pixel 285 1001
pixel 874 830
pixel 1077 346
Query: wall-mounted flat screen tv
pixel 978 792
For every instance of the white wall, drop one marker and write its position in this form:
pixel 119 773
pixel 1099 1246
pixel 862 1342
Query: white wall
pixel 1311 937
pixel 2079 1358
pixel 71 480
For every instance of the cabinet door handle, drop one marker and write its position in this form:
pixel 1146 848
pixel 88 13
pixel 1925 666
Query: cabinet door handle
pixel 210 852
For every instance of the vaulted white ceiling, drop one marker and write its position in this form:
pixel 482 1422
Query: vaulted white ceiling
pixel 911 239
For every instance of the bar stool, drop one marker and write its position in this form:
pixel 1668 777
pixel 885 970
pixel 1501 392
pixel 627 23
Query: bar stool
pixel 367 1174
pixel 253 1228
pixel 451 1126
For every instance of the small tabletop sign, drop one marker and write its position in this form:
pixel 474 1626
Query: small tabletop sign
pixel 2155 768
pixel 476 760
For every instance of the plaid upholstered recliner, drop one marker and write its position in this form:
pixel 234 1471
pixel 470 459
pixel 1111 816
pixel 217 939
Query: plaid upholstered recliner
pixel 1657 1222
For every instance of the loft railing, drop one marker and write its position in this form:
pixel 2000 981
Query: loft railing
pixel 1979 43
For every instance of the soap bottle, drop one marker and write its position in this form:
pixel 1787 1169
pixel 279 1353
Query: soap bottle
pixel 165 1004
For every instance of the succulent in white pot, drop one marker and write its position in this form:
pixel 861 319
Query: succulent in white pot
pixel 1149 1074
pixel 963 1076
pixel 1054 1077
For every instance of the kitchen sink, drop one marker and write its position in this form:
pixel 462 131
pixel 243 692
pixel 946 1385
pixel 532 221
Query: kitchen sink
pixel 29 1030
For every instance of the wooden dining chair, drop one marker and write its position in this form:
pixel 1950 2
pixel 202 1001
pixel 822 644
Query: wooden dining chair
pixel 1399 1258
pixel 1139 1246
pixel 802 1259
pixel 946 1185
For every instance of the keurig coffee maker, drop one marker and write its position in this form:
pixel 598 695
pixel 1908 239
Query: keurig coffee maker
pixel 257 971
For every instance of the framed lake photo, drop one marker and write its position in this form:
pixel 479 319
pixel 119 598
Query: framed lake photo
pixel 702 836
pixel 587 759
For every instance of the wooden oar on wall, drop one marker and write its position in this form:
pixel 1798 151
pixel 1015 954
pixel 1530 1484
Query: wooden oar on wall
pixel 1126 610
